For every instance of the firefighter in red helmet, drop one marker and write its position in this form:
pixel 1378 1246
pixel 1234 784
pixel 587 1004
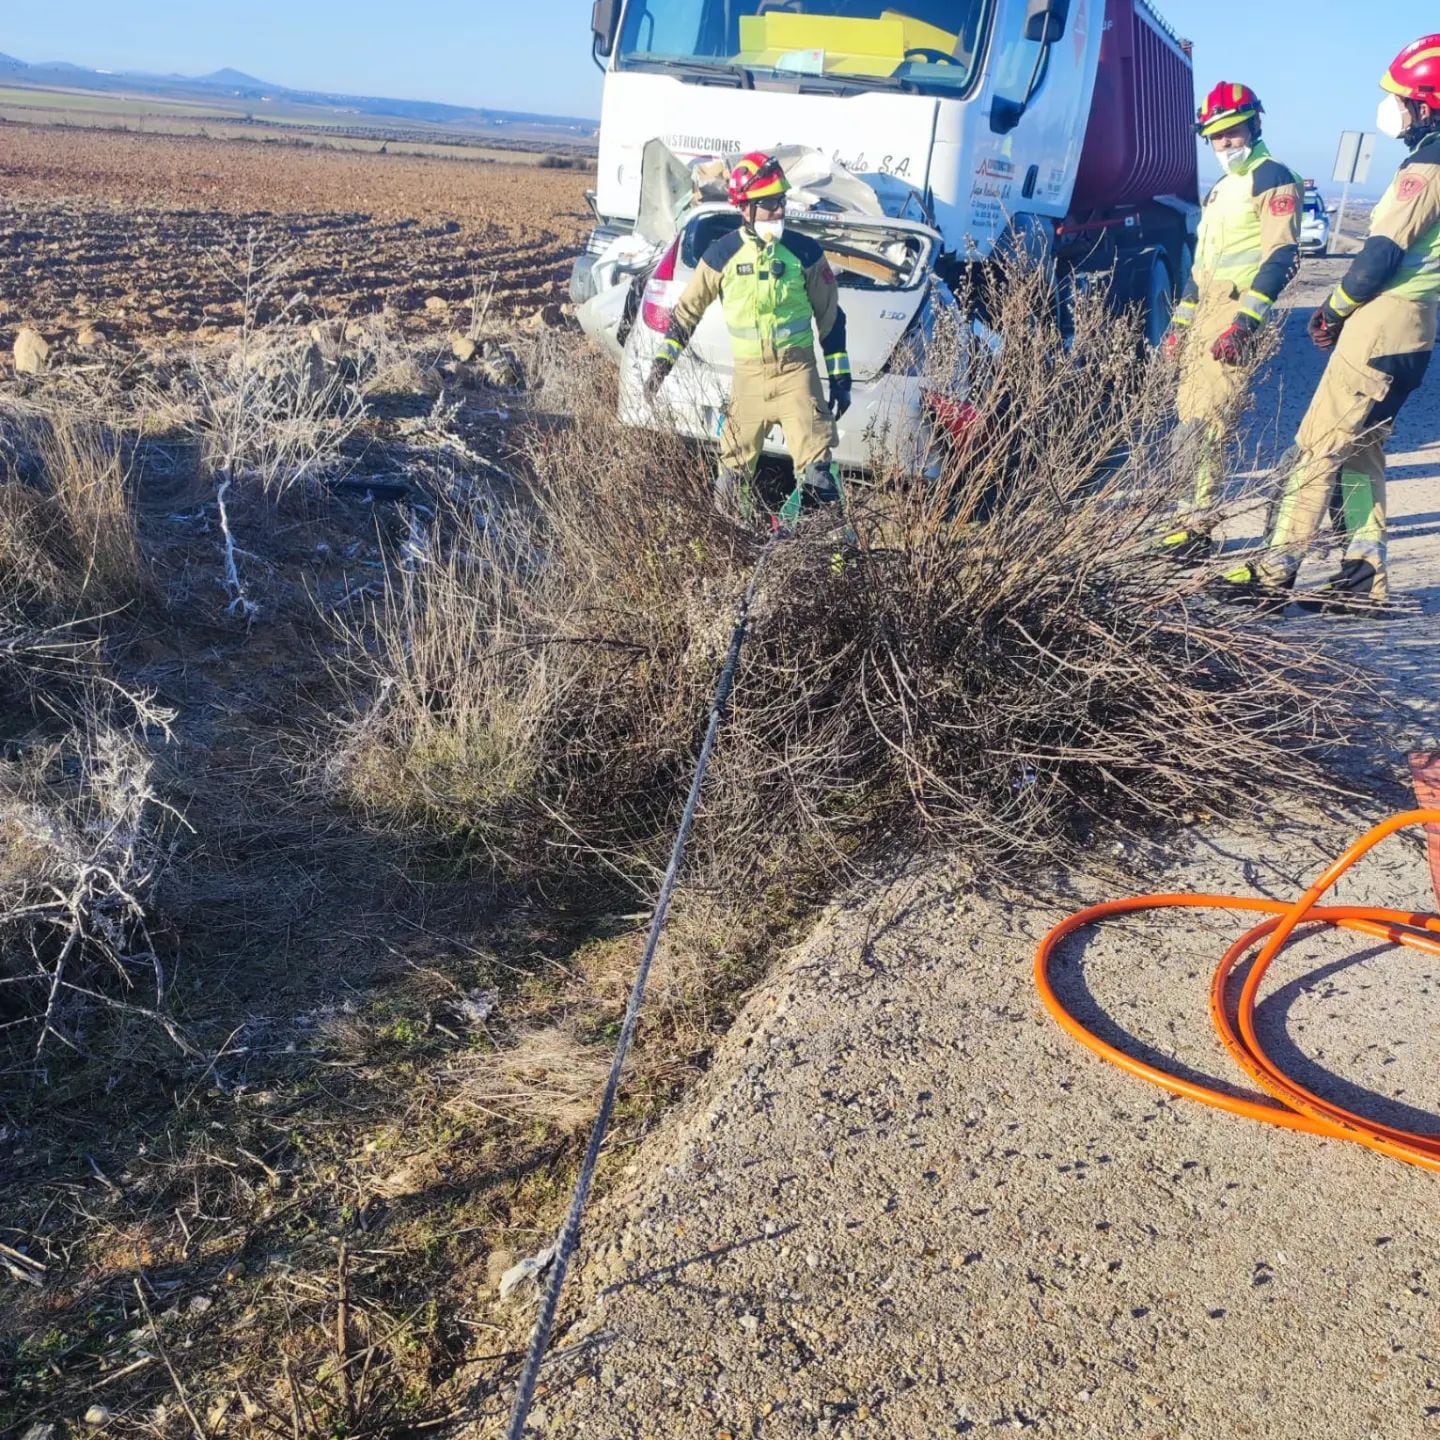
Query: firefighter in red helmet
pixel 1379 327
pixel 1247 251
pixel 777 290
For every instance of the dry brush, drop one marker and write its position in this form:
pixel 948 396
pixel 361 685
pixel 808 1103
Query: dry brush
pixel 997 662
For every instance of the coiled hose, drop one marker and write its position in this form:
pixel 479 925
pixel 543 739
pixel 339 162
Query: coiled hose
pixel 1299 1108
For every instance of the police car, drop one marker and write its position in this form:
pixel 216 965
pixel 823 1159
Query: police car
pixel 1314 223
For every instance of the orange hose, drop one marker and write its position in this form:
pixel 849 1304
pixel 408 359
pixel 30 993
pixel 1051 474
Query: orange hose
pixel 1302 1108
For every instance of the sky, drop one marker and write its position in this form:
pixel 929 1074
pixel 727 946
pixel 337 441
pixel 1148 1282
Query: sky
pixel 1313 63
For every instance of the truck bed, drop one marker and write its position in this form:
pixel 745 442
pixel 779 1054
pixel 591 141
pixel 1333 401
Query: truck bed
pixel 1140 141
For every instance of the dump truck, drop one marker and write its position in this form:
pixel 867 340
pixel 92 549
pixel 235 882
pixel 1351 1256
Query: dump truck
pixel 1057 128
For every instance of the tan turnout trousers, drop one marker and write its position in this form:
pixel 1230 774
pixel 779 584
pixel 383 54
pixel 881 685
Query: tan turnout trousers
pixel 1211 397
pixel 1378 361
pixel 786 391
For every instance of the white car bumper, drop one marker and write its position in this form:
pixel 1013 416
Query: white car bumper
pixel 884 426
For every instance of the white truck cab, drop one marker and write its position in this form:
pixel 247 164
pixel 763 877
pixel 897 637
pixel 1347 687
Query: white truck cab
pixel 1066 122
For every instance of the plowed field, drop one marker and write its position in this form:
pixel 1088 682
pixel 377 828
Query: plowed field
pixel 140 232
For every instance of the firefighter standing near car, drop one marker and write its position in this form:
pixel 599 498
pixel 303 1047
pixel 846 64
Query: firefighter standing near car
pixel 777 290
pixel 1247 251
pixel 1379 325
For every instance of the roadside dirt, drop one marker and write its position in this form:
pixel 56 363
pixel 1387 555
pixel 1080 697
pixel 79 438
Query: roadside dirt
pixel 139 233
pixel 904 1204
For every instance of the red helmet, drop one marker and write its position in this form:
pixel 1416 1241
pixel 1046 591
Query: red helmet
pixel 1415 73
pixel 1226 105
pixel 757 176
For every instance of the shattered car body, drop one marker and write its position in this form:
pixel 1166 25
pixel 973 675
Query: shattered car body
pixel 907 339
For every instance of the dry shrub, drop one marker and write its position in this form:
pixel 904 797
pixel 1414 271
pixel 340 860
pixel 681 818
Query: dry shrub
pixel 80 852
pixel 68 538
pixel 999 663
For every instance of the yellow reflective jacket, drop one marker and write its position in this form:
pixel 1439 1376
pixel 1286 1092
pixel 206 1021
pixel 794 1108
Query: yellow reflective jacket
pixel 775 297
pixel 1249 238
pixel 1401 256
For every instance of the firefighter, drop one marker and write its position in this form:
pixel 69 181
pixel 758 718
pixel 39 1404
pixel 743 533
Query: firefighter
pixel 777 290
pixel 1379 327
pixel 1247 251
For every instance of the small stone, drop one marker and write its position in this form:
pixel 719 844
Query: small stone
pixel 32 351
pixel 200 1304
pixel 39 1431
pixel 463 348
pixel 89 336
pixel 435 303
pixel 750 1324
pixel 97 1415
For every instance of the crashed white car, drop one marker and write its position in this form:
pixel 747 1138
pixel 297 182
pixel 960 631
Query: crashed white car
pixel 876 235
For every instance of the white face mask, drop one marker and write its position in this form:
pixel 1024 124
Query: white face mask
pixel 1234 159
pixel 770 231
pixel 1393 117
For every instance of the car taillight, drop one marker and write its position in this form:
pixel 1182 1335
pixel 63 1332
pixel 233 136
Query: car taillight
pixel 957 418
pixel 656 307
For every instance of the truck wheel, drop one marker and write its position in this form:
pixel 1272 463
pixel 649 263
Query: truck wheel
pixel 1159 298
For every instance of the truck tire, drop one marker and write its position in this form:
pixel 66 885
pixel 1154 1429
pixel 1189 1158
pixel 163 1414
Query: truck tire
pixel 1159 296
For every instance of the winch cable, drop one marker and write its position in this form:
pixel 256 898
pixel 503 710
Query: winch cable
pixel 1299 1108
pixel 569 1238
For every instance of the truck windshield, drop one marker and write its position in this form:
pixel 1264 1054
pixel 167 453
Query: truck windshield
pixel 929 45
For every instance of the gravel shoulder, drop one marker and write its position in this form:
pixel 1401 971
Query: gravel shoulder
pixel 904 1204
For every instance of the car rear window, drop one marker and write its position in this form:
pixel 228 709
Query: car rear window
pixel 863 257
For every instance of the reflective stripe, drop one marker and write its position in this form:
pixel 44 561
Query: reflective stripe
pixel 1342 304
pixel 838 364
pixel 1184 313
pixel 1256 306
pixel 1371 550
pixel 671 350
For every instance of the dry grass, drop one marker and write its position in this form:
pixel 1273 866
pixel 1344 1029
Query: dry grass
pixel 68 541
pixel 548 1075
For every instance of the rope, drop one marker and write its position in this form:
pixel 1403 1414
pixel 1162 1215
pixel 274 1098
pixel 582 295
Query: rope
pixel 569 1238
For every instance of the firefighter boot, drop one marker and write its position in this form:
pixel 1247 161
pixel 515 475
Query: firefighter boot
pixel 1351 592
pixel 1185 546
pixel 734 495
pixel 1266 588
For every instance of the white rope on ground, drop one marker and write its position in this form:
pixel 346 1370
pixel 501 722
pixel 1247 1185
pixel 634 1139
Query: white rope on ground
pixel 569 1238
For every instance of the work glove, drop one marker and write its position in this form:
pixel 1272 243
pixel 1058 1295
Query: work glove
pixel 840 387
pixel 658 372
pixel 1234 345
pixel 1325 327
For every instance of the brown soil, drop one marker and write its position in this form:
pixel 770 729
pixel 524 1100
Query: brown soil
pixel 135 230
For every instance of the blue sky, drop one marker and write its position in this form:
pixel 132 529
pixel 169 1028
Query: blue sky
pixel 1313 62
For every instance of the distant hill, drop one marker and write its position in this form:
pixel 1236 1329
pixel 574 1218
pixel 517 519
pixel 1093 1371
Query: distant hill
pixel 234 77
pixel 229 83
